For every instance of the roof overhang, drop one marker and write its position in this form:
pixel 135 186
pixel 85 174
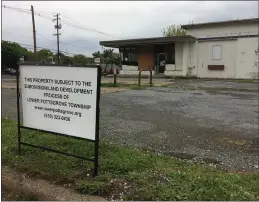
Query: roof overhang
pixel 229 22
pixel 147 41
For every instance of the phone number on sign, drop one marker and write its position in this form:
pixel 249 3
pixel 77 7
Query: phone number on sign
pixel 58 117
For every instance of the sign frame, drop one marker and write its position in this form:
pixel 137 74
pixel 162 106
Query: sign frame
pixel 95 160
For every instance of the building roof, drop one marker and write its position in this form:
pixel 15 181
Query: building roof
pixel 146 41
pixel 198 25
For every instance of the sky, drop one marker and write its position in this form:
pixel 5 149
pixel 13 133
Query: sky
pixel 120 19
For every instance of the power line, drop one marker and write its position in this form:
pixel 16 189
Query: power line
pixel 19 9
pixel 68 23
pixel 69 44
pixel 60 42
pixel 26 11
pixel 31 46
pixel 45 38
pixel 89 29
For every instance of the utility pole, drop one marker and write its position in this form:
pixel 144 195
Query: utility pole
pixel 57 27
pixel 34 33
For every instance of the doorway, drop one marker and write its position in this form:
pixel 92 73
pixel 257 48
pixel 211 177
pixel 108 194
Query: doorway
pixel 161 61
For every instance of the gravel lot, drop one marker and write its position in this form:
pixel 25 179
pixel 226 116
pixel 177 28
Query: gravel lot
pixel 213 121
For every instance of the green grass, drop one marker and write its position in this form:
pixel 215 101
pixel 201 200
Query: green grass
pixel 130 86
pixel 109 85
pixel 136 87
pixel 125 173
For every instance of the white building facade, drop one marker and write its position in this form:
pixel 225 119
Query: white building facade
pixel 222 50
pixel 227 49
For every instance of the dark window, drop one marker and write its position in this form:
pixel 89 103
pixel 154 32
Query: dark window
pixel 170 53
pixel 129 56
pixel 133 55
pixel 126 55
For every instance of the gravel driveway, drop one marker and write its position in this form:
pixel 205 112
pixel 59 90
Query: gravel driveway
pixel 212 121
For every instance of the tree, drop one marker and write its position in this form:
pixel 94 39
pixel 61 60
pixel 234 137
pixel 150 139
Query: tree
pixel 11 54
pixel 96 54
pixel 173 30
pixel 108 56
pixel 81 59
pixel 67 60
pixel 43 54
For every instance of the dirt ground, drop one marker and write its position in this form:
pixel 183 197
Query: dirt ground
pixel 213 121
pixel 10 195
pixel 20 187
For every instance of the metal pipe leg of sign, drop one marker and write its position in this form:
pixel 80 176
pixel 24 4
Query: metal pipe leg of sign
pixel 96 145
pixel 96 159
pixel 18 111
pixel 114 79
pixel 150 78
pixel 139 76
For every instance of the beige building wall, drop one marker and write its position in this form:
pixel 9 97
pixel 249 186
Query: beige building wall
pixel 224 30
pixel 193 59
pixel 238 55
pixel 228 59
pixel 247 58
pixel 179 56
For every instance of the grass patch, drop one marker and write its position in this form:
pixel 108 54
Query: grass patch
pixel 164 86
pixel 130 86
pixel 125 173
pixel 109 85
pixel 136 87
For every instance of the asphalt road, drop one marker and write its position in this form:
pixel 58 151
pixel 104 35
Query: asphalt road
pixel 212 121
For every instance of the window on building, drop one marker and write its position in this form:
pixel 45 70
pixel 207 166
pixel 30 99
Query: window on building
pixel 170 53
pixel 216 52
pixel 121 55
pixel 129 56
pixel 126 54
pixel 133 55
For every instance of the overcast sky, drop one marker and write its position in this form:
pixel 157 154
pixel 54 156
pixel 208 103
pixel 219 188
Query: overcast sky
pixel 122 19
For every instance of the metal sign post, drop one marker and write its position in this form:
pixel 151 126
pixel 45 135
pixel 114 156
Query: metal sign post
pixel 30 124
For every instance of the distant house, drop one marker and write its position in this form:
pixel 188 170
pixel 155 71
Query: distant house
pixel 225 49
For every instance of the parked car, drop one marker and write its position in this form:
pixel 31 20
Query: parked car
pixel 9 71
pixel 108 69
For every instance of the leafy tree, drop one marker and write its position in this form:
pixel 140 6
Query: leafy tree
pixel 81 59
pixel 90 60
pixel 108 56
pixel 11 54
pixel 67 60
pixel 173 30
pixel 96 54
pixel 44 54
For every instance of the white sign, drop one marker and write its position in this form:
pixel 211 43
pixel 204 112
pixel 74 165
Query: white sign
pixel 59 99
